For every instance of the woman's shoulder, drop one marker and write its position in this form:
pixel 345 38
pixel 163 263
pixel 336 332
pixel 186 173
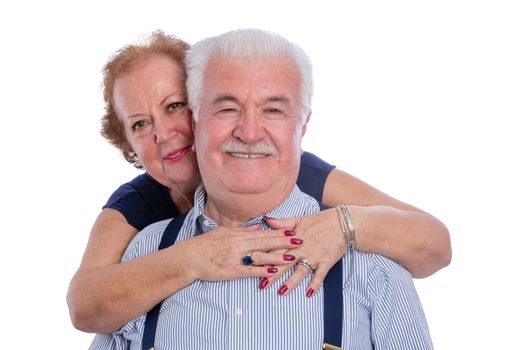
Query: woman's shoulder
pixel 311 161
pixel 313 173
pixel 143 201
pixel 138 189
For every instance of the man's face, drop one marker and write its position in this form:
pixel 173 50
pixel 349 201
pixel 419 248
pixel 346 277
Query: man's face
pixel 249 131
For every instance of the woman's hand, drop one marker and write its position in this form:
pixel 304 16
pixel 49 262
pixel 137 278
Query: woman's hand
pixel 104 294
pixel 323 246
pixel 216 255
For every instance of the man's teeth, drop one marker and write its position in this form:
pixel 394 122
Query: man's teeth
pixel 247 155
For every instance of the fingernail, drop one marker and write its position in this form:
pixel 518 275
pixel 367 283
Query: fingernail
pixel 263 283
pixel 283 289
pixel 310 292
pixel 289 232
pixel 296 241
pixel 272 270
pixel 288 257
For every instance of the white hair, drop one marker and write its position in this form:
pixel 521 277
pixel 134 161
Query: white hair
pixel 245 44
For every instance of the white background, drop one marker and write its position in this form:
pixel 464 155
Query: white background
pixel 420 99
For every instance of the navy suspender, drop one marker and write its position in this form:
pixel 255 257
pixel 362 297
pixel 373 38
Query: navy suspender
pixel 333 297
pixel 150 327
pixel 333 307
pixel 333 304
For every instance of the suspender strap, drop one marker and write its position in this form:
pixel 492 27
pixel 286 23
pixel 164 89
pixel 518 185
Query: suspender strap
pixel 333 307
pixel 150 327
pixel 333 304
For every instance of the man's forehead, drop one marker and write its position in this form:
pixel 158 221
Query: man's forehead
pixel 265 79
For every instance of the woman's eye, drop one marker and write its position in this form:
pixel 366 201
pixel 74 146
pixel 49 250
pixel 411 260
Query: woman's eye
pixel 176 105
pixel 138 125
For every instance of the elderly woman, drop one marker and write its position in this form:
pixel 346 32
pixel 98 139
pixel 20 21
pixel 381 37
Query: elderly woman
pixel 148 119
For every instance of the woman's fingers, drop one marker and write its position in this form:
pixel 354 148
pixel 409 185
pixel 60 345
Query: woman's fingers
pixel 282 224
pixel 317 279
pixel 264 241
pixel 300 273
pixel 323 246
pixel 272 259
pixel 226 253
pixel 317 275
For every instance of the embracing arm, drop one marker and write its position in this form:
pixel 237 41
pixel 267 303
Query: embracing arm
pixel 383 225
pixel 386 226
pixel 104 294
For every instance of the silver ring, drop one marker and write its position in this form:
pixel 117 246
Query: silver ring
pixel 247 259
pixel 307 265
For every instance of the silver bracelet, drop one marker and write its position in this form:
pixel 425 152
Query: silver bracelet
pixel 345 219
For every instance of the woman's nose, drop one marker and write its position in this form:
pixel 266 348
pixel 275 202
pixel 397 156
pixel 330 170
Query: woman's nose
pixel 165 129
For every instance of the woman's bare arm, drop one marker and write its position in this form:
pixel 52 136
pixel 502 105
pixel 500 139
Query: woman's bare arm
pixel 104 293
pixel 383 225
pixel 103 289
pixel 387 226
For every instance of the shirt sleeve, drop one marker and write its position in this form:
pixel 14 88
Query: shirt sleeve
pixel 110 341
pixel 313 174
pixel 397 319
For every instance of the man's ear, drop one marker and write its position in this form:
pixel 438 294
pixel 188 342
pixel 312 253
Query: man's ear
pixel 307 119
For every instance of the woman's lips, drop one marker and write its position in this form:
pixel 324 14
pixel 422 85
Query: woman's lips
pixel 175 156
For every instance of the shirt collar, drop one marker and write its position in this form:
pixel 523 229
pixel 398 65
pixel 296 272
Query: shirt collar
pixel 290 207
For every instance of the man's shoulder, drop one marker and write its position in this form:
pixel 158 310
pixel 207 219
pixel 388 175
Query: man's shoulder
pixel 310 204
pixel 146 241
pixel 379 262
pixel 371 266
pixel 375 273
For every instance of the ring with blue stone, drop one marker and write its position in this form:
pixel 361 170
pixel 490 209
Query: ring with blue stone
pixel 247 259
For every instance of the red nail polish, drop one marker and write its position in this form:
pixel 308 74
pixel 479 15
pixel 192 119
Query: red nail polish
pixel 283 289
pixel 310 292
pixel 289 232
pixel 296 241
pixel 288 257
pixel 263 283
pixel 272 270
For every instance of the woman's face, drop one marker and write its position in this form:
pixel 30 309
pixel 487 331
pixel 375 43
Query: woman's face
pixel 150 102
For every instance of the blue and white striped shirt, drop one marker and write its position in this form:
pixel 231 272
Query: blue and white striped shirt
pixel 381 306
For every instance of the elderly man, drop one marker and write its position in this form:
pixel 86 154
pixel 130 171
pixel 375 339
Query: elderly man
pixel 250 92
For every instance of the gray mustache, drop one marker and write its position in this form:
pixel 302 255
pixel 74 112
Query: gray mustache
pixel 236 146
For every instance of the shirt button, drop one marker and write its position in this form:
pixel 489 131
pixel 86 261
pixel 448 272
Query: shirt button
pixel 207 223
pixel 238 311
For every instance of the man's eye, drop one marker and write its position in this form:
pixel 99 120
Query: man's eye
pixel 227 112
pixel 272 112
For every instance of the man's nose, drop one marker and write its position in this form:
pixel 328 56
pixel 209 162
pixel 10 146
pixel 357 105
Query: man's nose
pixel 249 128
